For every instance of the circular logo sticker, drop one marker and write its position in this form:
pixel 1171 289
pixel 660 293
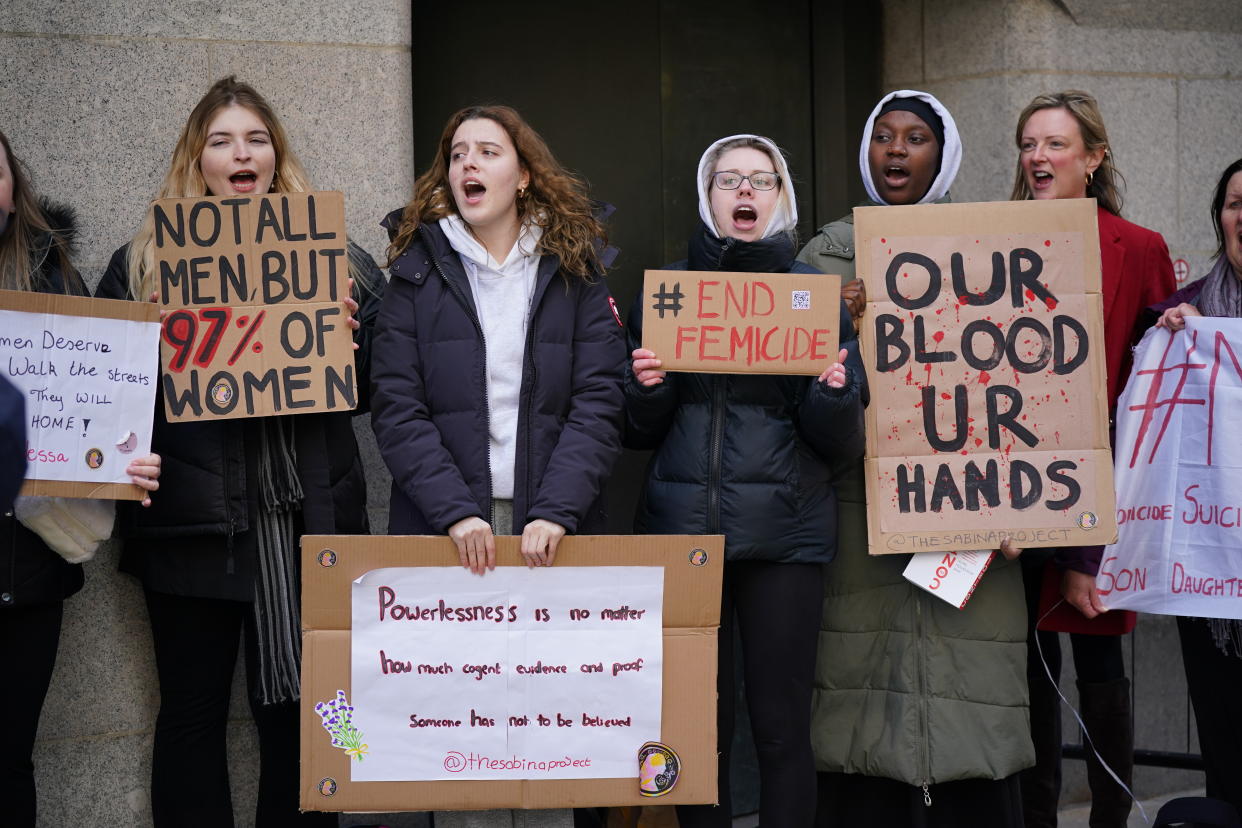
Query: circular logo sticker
pixel 327 786
pixel 222 392
pixel 658 769
pixel 1087 520
pixel 327 558
pixel 698 557
pixel 94 458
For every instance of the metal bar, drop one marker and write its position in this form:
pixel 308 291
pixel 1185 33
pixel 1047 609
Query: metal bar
pixel 1149 758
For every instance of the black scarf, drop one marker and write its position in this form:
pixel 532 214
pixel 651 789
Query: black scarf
pixel 774 254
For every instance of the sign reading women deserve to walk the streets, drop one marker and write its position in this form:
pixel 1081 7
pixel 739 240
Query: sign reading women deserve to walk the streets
pixel 742 323
pixel 254 288
pixel 984 349
pixel 590 683
pixel 1179 476
pixel 88 369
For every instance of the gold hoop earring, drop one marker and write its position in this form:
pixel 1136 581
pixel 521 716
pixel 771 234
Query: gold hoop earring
pixel 1090 177
pixel 521 192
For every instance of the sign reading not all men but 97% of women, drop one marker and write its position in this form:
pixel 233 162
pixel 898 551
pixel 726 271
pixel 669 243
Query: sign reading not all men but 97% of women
pixel 254 288
pixel 742 323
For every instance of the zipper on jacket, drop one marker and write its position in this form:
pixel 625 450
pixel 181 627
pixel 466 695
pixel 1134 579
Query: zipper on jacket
pixel 487 403
pixel 716 451
pixel 716 444
pixel 230 562
pixel 530 359
pixel 924 716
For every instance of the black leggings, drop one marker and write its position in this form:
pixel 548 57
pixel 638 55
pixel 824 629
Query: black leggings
pixel 196 643
pixel 29 637
pixel 1213 678
pixel 778 607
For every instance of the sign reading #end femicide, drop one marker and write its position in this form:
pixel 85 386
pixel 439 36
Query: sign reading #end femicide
pixel 984 349
pixel 742 323
pixel 87 368
pixel 255 290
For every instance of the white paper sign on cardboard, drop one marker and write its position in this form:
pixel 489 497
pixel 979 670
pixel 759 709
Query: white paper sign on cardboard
pixel 1178 472
pixel 521 674
pixel 950 576
pixel 90 392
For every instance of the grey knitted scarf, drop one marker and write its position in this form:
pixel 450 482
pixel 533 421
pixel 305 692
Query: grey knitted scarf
pixel 277 606
pixel 1222 296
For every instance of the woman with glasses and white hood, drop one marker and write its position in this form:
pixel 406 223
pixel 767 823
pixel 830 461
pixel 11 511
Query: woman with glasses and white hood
pixel 748 456
pixel 920 708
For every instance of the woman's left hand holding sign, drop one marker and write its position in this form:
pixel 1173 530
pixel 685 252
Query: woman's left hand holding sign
pixel 144 472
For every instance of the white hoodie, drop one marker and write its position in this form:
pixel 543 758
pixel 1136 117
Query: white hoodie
pixel 502 294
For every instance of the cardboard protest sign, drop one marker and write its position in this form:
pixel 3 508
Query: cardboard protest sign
pixel 88 368
pixel 1179 474
pixel 984 350
pixel 427 687
pixel 255 287
pixel 742 323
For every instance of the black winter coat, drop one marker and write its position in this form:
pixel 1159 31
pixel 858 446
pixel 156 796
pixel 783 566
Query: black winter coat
pixel 195 538
pixel 429 398
pixel 30 572
pixel 745 455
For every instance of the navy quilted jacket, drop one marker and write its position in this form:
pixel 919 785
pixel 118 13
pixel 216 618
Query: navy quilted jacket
pixel 429 404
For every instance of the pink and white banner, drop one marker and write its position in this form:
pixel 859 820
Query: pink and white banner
pixel 1179 476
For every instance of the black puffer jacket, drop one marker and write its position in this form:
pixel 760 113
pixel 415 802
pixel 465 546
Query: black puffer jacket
pixel 430 395
pixel 746 455
pixel 30 572
pixel 195 538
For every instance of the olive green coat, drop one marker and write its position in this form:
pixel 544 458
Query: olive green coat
pixel 906 686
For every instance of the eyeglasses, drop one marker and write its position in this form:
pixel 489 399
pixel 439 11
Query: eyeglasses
pixel 759 180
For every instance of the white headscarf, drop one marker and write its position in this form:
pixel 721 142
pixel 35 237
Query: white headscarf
pixel 950 153
pixel 784 217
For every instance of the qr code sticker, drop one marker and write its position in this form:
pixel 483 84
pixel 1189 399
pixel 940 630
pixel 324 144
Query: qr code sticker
pixel 801 300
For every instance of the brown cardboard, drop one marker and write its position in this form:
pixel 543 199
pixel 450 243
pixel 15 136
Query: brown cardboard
pixel 742 323
pixel 46 303
pixel 918 345
pixel 255 289
pixel 691 617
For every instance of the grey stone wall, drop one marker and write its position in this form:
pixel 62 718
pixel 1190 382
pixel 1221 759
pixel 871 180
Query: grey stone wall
pixel 1168 77
pixel 93 94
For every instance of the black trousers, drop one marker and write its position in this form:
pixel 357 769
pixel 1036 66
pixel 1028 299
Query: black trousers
pixel 196 643
pixel 848 800
pixel 777 609
pixel 29 638
pixel 1213 679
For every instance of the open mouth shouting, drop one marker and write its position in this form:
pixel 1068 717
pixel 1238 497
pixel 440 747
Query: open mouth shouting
pixel 745 217
pixel 472 190
pixel 243 181
pixel 1041 180
pixel 896 175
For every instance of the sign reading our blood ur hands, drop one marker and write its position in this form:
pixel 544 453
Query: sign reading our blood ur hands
pixel 254 287
pixel 1179 475
pixel 983 345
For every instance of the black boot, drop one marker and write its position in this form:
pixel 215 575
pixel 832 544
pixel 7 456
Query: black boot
pixel 1041 784
pixel 1106 712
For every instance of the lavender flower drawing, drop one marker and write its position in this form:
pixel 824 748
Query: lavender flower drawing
pixel 336 717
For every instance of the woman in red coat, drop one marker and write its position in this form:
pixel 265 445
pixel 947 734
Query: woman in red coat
pixel 1063 152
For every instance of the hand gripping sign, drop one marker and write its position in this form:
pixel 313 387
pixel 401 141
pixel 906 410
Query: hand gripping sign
pixel 982 342
pixel 254 287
